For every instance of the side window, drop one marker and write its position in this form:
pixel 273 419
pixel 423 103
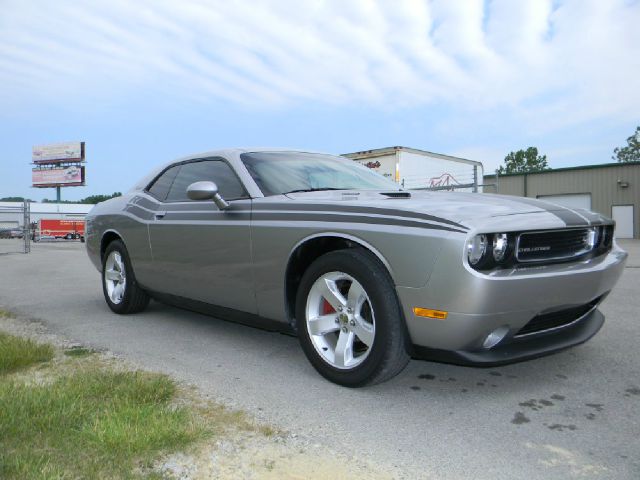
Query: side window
pixel 216 171
pixel 162 184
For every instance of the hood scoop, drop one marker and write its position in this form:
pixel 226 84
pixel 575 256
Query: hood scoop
pixel 350 195
pixel 396 194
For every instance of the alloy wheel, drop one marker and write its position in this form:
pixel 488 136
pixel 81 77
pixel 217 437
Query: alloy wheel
pixel 340 320
pixel 115 277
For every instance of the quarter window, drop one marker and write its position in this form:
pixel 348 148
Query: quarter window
pixel 162 184
pixel 217 171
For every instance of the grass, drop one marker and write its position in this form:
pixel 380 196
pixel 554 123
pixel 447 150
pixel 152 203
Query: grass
pixel 87 421
pixel 17 353
pixel 71 414
pixel 78 352
pixel 267 430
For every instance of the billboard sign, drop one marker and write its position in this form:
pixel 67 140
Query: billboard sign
pixel 58 152
pixel 54 177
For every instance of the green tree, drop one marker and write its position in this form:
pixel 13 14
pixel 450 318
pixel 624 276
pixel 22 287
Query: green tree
pixel 15 199
pixel 630 153
pixel 100 198
pixel 91 199
pixel 523 161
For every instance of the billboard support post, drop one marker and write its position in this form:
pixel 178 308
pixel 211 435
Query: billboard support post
pixel 58 194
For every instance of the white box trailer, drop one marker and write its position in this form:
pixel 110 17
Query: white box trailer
pixel 419 169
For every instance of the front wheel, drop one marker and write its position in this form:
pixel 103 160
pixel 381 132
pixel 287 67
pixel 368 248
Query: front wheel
pixel 350 325
pixel 121 291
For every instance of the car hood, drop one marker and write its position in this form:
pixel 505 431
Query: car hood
pixel 468 209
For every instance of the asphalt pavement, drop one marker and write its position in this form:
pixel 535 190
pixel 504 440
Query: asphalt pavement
pixel 570 415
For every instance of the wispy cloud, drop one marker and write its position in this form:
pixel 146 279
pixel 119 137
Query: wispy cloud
pixel 567 61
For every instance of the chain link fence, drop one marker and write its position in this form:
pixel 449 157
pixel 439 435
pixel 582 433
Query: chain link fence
pixel 15 228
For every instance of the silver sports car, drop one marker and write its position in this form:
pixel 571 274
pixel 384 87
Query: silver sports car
pixel 365 273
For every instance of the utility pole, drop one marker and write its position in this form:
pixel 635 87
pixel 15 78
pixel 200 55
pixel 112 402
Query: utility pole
pixel 26 225
pixel 475 179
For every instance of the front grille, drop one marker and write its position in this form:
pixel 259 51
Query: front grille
pixel 559 318
pixel 555 244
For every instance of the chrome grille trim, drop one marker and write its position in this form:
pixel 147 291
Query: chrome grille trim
pixel 592 306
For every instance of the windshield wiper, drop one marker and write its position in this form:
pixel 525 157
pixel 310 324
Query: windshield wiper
pixel 313 190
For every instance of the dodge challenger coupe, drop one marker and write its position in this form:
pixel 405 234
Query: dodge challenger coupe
pixel 365 273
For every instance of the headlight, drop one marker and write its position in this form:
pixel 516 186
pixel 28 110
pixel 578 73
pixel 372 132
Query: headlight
pixel 476 248
pixel 500 244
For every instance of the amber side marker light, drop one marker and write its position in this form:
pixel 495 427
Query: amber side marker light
pixel 429 313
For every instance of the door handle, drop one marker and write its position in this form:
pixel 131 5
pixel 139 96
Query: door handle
pixel 160 215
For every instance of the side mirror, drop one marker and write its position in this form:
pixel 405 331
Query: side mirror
pixel 206 191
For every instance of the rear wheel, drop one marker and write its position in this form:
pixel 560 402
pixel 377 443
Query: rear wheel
pixel 121 291
pixel 349 321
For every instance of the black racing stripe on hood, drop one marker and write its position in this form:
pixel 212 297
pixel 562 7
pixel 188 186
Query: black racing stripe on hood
pixel 571 218
pixel 358 210
pixel 339 218
pixel 568 216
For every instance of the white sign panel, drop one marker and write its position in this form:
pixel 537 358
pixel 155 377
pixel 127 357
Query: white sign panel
pixel 58 152
pixel 58 176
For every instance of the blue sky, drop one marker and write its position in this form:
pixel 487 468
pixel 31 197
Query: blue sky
pixel 148 81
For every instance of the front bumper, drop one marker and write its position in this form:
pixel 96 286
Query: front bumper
pixel 477 304
pixel 520 349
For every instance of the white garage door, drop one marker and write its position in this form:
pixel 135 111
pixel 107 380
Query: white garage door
pixel 623 215
pixel 573 200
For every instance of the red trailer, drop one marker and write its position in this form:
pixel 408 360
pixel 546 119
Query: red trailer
pixel 67 229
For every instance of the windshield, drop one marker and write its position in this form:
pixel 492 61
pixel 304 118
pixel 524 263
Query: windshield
pixel 287 172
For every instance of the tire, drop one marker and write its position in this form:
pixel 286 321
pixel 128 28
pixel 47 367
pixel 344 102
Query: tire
pixel 121 291
pixel 349 321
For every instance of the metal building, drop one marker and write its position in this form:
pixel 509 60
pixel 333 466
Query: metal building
pixel 612 189
pixel 11 212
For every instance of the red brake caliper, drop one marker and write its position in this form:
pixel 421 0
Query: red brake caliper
pixel 327 308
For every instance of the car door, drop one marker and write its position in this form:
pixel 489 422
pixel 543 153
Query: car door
pixel 199 251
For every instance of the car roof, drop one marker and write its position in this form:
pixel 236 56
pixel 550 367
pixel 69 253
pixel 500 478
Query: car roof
pixel 223 152
pixel 239 150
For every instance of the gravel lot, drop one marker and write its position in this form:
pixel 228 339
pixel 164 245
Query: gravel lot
pixel 571 415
